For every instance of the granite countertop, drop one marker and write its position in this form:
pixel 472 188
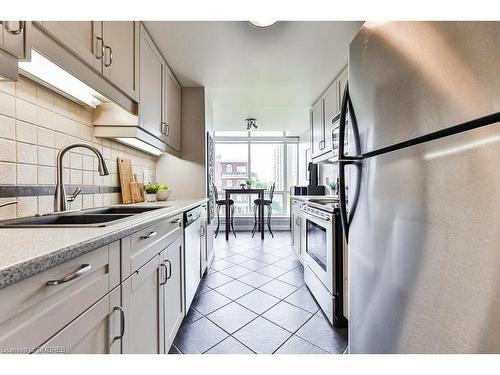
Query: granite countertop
pixel 27 251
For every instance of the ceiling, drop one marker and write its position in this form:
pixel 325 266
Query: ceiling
pixel 272 74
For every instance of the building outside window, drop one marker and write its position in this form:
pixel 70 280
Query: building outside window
pixel 262 159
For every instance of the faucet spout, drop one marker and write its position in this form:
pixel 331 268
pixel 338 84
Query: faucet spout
pixel 60 197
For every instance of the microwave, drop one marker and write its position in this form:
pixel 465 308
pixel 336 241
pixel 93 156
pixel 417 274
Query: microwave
pixel 334 152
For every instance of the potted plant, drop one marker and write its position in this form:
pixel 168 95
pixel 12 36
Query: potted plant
pixel 249 183
pixel 151 189
pixel 163 193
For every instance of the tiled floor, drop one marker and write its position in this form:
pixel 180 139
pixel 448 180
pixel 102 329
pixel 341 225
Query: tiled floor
pixel 253 300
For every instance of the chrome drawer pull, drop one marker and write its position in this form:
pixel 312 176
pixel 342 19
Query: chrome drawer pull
pixel 84 268
pixel 122 320
pixel 150 235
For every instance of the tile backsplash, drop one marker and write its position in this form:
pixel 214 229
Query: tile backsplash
pixel 35 123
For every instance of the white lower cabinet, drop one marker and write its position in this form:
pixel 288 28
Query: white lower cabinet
pixel 143 305
pixel 80 306
pixel 97 331
pixel 173 290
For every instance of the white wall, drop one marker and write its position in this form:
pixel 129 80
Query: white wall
pixel 186 175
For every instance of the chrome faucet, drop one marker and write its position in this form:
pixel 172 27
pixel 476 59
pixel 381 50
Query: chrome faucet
pixel 8 203
pixel 60 197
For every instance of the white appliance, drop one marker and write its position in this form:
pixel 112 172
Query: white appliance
pixel 323 271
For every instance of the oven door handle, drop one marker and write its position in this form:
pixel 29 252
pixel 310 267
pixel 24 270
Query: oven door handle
pixel 316 216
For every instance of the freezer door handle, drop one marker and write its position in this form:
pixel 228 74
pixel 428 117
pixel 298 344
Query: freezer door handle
pixel 348 160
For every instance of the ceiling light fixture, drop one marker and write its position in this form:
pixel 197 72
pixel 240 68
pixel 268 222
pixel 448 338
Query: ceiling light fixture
pixel 251 123
pixel 52 74
pixel 263 23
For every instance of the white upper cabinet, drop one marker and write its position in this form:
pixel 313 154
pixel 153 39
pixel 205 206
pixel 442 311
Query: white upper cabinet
pixel 317 129
pixel 83 38
pixel 322 114
pixel 172 109
pixel 150 92
pixel 121 43
pixel 111 48
pixel 13 38
pixel 341 84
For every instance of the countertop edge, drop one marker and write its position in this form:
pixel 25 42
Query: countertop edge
pixel 22 270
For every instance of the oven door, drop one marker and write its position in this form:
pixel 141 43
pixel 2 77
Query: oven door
pixel 319 248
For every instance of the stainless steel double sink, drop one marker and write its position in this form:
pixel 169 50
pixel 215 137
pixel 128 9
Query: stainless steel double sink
pixel 92 217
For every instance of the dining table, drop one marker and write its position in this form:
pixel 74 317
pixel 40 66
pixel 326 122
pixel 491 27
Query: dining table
pixel 260 193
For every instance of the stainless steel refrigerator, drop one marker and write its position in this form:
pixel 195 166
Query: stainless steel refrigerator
pixel 423 209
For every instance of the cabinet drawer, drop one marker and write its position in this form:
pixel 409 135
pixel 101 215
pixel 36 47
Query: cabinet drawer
pixel 143 245
pixel 97 331
pixel 38 307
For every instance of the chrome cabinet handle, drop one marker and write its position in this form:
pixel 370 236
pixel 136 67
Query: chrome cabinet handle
pixel 202 230
pixel 166 273
pixel 167 130
pixel 84 268
pixel 164 128
pixel 169 268
pixel 14 32
pixel 149 235
pixel 297 221
pixel 99 40
pixel 122 323
pixel 176 221
pixel 110 56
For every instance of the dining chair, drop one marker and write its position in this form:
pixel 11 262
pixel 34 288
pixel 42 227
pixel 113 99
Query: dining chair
pixel 222 203
pixel 268 203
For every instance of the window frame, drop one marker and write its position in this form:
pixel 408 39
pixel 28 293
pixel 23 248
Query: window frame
pixel 248 140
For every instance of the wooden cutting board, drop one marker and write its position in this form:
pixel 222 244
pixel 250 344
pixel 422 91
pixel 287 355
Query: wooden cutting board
pixel 126 176
pixel 137 192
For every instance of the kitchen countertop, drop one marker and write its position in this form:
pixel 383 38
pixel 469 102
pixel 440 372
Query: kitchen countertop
pixel 27 251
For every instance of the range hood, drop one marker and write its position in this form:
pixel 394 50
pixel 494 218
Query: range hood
pixel 112 121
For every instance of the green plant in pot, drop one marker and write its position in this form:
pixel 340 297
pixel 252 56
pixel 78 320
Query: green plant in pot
pixel 151 189
pixel 249 183
pixel 163 193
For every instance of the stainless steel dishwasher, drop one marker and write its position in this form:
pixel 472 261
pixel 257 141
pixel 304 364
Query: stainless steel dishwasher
pixel 192 250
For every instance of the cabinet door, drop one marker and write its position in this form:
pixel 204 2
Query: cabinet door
pixel 317 129
pixel 331 104
pixel 150 89
pixel 173 290
pixel 97 331
pixel 172 109
pixel 83 38
pixel 341 84
pixel 13 37
pixel 143 306
pixel 121 42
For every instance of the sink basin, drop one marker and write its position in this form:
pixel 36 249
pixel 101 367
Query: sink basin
pixel 121 210
pixel 63 220
pixel 92 217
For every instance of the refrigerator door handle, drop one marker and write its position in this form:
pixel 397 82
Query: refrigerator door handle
pixel 348 160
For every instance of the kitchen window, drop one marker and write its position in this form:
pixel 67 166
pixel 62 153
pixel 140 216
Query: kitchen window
pixel 264 158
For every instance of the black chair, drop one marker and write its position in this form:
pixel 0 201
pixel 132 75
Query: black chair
pixel 220 203
pixel 268 203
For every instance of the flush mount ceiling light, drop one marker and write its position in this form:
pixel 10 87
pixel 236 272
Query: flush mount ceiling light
pixel 263 23
pixel 251 123
pixel 42 69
